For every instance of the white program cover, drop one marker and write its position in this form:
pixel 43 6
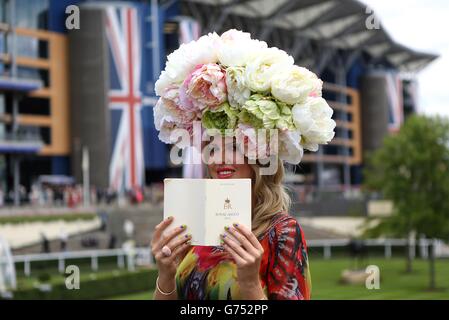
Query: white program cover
pixel 206 206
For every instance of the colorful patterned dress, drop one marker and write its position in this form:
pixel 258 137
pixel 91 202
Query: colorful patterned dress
pixel 208 272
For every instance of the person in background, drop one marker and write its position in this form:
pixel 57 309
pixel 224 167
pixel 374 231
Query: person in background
pixel 63 237
pixel 112 241
pixel 45 243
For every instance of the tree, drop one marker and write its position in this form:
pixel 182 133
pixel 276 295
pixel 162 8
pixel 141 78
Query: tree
pixel 412 170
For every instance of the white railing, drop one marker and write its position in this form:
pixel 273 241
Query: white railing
pixel 441 250
pixel 143 256
pixel 132 256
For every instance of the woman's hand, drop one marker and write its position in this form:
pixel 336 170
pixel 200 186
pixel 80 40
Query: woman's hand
pixel 178 244
pixel 247 253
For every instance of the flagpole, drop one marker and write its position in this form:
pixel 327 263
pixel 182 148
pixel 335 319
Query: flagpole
pixel 85 166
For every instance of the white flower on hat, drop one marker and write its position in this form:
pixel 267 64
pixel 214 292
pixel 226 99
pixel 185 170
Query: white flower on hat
pixel 238 92
pixel 168 117
pixel 290 149
pixel 235 48
pixel 294 84
pixel 164 121
pixel 262 67
pixel 314 121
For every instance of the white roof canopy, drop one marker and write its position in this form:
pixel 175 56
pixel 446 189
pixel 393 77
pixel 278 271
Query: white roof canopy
pixel 307 28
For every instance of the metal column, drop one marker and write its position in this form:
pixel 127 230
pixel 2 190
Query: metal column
pixel 15 160
pixel 340 77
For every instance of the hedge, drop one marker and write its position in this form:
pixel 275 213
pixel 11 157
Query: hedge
pixel 103 287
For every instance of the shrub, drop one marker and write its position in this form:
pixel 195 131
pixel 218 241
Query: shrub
pixel 105 285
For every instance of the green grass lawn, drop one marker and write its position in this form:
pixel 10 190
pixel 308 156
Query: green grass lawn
pixel 146 295
pixel 57 279
pixel 394 284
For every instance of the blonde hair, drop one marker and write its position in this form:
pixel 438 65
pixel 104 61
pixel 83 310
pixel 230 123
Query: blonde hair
pixel 270 197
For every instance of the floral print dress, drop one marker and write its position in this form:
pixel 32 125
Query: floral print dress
pixel 208 272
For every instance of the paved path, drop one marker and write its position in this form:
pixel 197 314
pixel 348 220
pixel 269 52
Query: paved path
pixel 144 218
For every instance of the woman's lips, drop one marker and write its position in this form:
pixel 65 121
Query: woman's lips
pixel 225 172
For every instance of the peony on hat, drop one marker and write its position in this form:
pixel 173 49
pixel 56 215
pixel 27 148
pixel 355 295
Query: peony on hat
pixel 233 82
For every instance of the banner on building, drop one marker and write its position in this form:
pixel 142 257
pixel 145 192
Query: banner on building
pixel 395 101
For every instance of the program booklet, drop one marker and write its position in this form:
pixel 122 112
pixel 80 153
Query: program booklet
pixel 206 206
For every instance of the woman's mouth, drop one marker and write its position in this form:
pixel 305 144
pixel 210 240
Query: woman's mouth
pixel 225 172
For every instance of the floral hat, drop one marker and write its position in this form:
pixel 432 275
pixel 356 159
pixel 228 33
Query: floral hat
pixel 232 83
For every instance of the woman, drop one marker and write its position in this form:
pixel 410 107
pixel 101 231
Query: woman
pixel 233 82
pixel 268 262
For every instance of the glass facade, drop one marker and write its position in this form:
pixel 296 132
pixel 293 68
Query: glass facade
pixel 2 137
pixel 2 173
pixel 4 9
pixel 30 15
pixel 2 112
pixel 33 74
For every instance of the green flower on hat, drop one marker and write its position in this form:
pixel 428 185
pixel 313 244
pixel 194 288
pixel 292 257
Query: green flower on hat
pixel 265 112
pixel 221 118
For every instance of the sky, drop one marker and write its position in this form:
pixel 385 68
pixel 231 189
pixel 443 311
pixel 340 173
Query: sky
pixel 422 25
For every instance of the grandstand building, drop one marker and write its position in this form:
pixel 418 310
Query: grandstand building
pixel 62 91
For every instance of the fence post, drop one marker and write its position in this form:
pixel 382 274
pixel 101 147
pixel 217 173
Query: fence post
pixel 327 251
pixel 27 268
pixel 120 261
pixel 94 263
pixel 437 247
pixel 130 260
pixel 61 264
pixel 412 246
pixel 387 249
pixel 423 245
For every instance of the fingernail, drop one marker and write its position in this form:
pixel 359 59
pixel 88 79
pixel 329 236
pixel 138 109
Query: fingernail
pixel 235 224
pixel 188 235
pixel 183 226
pixel 226 228
pixel 221 241
pixel 223 235
pixel 169 217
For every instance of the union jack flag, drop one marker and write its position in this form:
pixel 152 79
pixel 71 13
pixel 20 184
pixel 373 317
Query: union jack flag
pixel 395 103
pixel 124 34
